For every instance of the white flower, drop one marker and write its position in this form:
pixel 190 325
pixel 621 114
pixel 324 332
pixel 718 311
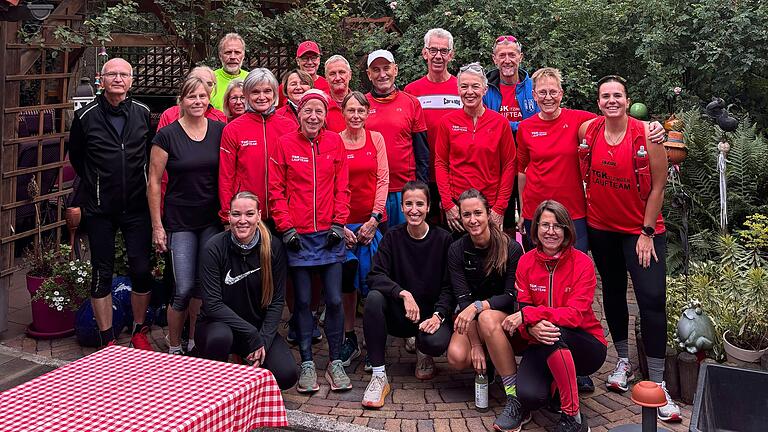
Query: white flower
pixel 447 13
pixel 677 90
pixel 55 293
pixel 58 308
pixel 393 5
pixel 47 297
pixel 80 280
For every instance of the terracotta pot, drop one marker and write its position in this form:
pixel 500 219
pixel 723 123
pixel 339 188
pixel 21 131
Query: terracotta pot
pixel 677 151
pixel 48 323
pixel 740 355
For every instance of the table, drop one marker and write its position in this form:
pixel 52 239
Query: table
pixel 126 389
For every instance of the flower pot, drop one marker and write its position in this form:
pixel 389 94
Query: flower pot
pixel 677 151
pixel 740 355
pixel 48 323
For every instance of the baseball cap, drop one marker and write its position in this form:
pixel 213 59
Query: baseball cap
pixel 380 54
pixel 307 47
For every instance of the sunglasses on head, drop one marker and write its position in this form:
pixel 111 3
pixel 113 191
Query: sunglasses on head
pixel 501 39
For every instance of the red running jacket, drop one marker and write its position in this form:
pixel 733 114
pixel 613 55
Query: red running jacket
pixel 562 296
pixel 309 182
pixel 246 145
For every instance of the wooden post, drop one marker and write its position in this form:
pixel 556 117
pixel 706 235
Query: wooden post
pixel 672 373
pixel 688 367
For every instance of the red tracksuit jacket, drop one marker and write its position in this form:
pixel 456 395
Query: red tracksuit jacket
pixel 562 296
pixel 246 144
pixel 308 182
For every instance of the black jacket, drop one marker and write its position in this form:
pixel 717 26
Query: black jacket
pixel 231 283
pixel 113 168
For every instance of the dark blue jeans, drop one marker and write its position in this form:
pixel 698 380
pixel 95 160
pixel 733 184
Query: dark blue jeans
pixel 334 313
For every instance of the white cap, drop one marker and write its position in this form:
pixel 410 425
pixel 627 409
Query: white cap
pixel 380 54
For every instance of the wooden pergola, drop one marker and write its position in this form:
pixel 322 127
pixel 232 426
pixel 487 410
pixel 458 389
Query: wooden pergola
pixel 37 81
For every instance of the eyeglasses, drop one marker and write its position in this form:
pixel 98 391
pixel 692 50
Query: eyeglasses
pixel 501 39
pixel 552 93
pixel 237 99
pixel 556 227
pixel 113 75
pixel 434 51
pixel 474 67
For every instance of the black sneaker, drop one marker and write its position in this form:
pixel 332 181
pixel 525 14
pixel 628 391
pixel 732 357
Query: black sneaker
pixel 569 424
pixel 349 351
pixel 585 384
pixel 513 417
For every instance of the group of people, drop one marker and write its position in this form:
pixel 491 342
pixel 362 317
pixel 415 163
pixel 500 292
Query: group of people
pixel 268 194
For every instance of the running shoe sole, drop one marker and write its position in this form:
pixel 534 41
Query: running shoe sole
pixel 671 419
pixel 333 385
pixel 379 403
pixel 522 423
pixel 308 390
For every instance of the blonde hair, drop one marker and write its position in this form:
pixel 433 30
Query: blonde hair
pixel 265 251
pixel 547 72
pixel 189 85
pixel 235 83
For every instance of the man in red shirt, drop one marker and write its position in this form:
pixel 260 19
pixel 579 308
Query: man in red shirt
pixel 438 95
pixel 338 73
pixel 399 118
pixel 308 59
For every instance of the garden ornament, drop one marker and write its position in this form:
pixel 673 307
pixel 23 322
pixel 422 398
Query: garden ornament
pixel 717 110
pixel 695 330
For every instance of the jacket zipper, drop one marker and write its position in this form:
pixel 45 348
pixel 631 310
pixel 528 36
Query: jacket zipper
pixel 125 184
pixel 265 205
pixel 314 185
pixel 551 284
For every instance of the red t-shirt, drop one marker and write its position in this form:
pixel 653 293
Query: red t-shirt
pixel 334 120
pixel 362 165
pixel 480 157
pixel 396 120
pixel 613 201
pixel 509 108
pixel 437 100
pixel 547 152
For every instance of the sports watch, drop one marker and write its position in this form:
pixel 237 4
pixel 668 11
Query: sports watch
pixel 377 216
pixel 649 231
pixel 478 305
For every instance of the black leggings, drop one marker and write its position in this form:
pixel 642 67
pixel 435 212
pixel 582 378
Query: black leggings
pixel 216 341
pixel 384 315
pixel 137 235
pixel 614 255
pixel 534 379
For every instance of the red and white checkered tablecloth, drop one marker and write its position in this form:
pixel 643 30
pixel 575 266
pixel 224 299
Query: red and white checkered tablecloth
pixel 126 389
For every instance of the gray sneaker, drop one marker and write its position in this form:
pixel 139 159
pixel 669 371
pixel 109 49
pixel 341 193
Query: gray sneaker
pixel 410 345
pixel 669 412
pixel 307 378
pixel 376 392
pixel 337 376
pixel 618 380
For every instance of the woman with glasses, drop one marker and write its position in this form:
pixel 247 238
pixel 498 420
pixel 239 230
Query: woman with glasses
pixel 369 173
pixel 295 83
pixel 234 105
pixel 308 181
pixel 555 288
pixel 249 140
pixel 481 267
pixel 474 149
pixel 188 149
pixel 625 176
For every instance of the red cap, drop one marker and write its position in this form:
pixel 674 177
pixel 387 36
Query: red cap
pixel 307 47
pixel 313 94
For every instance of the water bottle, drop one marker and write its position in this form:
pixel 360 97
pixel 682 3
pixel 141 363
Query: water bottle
pixel 642 153
pixel 481 392
pixel 584 146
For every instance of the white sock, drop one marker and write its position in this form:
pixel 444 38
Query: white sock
pixel 173 349
pixel 379 371
pixel 190 345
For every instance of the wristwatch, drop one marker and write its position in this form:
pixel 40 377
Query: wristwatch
pixel 649 231
pixel 377 216
pixel 439 316
pixel 478 305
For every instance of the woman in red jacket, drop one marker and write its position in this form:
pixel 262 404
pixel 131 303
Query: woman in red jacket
pixel 310 205
pixel 555 288
pixel 474 149
pixel 295 83
pixel 248 141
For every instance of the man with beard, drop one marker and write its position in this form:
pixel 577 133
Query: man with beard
pixel 231 54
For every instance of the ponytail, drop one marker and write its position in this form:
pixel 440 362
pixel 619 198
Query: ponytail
pixel 498 247
pixel 265 254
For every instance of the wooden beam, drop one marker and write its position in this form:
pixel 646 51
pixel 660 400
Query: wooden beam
pixel 65 8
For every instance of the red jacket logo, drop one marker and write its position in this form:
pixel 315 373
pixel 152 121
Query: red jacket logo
pixel 247 143
pixel 297 158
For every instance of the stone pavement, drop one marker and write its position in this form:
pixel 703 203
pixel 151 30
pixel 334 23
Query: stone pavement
pixel 442 404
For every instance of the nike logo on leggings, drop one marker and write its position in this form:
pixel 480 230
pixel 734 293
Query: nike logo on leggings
pixel 229 280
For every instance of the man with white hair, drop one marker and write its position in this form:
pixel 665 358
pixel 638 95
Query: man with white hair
pixel 231 55
pixel 338 73
pixel 399 118
pixel 438 95
pixel 108 148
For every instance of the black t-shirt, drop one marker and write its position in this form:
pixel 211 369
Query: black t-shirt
pixel 191 199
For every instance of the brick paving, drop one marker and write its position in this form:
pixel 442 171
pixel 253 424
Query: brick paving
pixel 444 403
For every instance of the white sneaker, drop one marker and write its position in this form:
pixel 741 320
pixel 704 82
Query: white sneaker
pixel 669 412
pixel 376 392
pixel 618 380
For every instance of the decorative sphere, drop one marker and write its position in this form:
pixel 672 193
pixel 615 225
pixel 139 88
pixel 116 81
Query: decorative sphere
pixel 723 146
pixel 639 111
